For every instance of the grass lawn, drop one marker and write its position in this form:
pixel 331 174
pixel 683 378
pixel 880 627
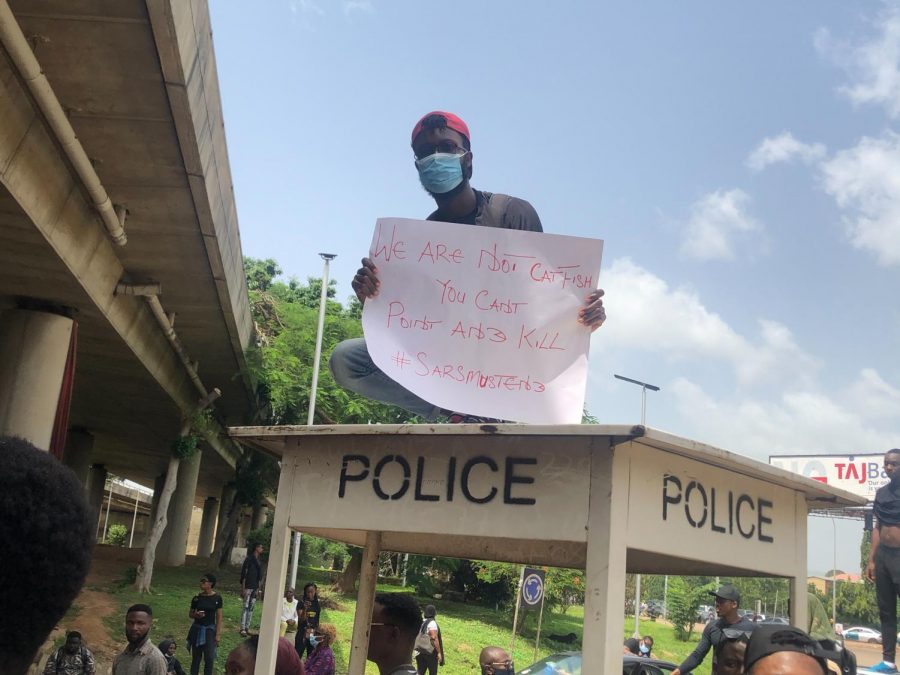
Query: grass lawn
pixel 465 628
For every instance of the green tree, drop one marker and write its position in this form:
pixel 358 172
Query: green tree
pixel 116 534
pixel 260 273
pixel 684 600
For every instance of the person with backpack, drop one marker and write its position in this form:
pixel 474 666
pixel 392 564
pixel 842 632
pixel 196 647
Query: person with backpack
pixel 73 658
pixel 441 145
pixel 429 644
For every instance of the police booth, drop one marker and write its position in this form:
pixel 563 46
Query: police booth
pixel 601 498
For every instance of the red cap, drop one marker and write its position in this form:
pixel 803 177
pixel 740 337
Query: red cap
pixel 453 122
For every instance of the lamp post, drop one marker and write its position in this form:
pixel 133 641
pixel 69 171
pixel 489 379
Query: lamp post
pixel 834 575
pixel 323 298
pixel 637 577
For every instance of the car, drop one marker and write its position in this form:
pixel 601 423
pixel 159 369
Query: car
pixel 862 634
pixel 777 619
pixel 569 663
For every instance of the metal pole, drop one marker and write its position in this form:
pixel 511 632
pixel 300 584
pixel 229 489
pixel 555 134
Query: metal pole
pixel 637 606
pixel 537 639
pixel 323 300
pixel 512 646
pixel 327 257
pixel 405 567
pixel 643 404
pixel 295 561
pixel 834 575
pixel 108 505
pixel 133 522
pixel 666 598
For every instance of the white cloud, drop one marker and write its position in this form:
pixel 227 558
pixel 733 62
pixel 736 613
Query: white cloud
pixel 651 316
pixel 364 6
pixel 717 220
pixel 305 7
pixel 796 421
pixel 874 65
pixel 873 397
pixel 865 181
pixel 784 148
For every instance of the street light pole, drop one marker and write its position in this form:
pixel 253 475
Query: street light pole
pixel 323 301
pixel 637 578
pixel 327 257
pixel 834 575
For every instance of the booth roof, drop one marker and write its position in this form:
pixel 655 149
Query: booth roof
pixel 821 497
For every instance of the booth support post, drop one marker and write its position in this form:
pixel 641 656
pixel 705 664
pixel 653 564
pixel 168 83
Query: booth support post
pixel 365 603
pixel 276 573
pixel 798 585
pixel 604 620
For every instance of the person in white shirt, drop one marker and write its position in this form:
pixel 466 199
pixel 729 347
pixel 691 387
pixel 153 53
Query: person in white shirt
pixel 288 612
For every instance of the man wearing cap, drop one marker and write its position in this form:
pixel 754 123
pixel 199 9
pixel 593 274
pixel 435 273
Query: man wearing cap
pixel 775 650
pixel 441 145
pixel 727 600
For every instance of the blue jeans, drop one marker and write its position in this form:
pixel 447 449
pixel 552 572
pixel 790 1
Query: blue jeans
pixel 353 369
pixel 247 610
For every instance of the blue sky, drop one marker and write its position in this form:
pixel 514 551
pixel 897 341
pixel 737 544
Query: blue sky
pixel 739 160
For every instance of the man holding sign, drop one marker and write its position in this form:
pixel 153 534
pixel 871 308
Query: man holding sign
pixel 441 144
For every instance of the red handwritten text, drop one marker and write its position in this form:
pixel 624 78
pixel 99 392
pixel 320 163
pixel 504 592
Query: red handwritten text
pixel 396 318
pixel 484 302
pixel 563 275
pixel 440 252
pixel 394 249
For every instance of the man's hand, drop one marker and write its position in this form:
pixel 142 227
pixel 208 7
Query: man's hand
pixel 441 660
pixel 676 672
pixel 365 284
pixel 870 571
pixel 592 313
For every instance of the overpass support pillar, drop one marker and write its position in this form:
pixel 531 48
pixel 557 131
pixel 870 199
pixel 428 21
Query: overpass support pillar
pixel 96 487
pixel 77 455
pixel 172 548
pixel 208 527
pixel 260 511
pixel 224 504
pixel 34 347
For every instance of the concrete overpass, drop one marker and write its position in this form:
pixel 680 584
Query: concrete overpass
pixel 118 224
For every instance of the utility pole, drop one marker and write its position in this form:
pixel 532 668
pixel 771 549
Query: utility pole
pixel 323 301
pixel 637 577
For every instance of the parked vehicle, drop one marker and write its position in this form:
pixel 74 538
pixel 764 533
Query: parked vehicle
pixel 776 619
pixel 655 608
pixel 862 634
pixel 569 663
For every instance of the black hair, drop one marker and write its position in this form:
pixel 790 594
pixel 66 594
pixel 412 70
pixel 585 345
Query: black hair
pixel 311 585
pixel 140 608
pixel 893 451
pixel 402 610
pixel 73 634
pixel 440 122
pixel 251 644
pixel 45 515
pixel 209 576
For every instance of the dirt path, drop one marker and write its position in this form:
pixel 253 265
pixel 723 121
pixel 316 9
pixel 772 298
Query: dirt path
pixel 93 606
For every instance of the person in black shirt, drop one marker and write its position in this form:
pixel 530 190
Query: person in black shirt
pixel 441 145
pixel 168 649
pixel 308 619
pixel 727 600
pixel 203 637
pixel 251 582
pixel 884 559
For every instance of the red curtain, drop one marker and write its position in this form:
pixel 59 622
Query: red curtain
pixel 61 421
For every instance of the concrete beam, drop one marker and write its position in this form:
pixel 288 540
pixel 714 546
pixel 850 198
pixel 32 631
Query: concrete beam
pixel 37 176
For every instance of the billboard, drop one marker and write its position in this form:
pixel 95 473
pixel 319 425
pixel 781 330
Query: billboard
pixel 860 474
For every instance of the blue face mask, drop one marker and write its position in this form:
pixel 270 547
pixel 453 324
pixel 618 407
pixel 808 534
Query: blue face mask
pixel 314 640
pixel 440 172
pixel 645 649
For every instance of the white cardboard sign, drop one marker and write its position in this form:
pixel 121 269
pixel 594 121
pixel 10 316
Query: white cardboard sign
pixel 483 320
